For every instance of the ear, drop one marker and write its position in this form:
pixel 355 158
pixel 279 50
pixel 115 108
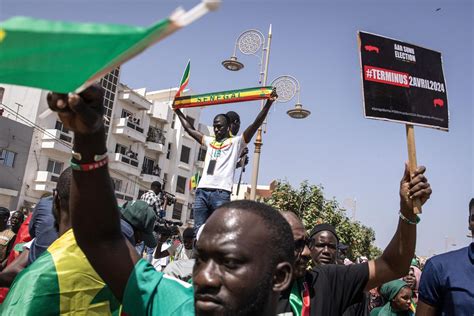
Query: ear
pixel 282 276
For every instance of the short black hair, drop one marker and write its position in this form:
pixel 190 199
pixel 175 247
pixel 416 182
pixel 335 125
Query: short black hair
pixel 188 233
pixel 156 184
pixel 227 119
pixel 4 212
pixel 233 116
pixel 471 205
pixel 282 246
pixel 64 187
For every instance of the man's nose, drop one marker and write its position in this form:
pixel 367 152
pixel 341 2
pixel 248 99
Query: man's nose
pixel 207 275
pixel 306 252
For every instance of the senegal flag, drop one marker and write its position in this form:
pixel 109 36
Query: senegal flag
pixel 184 80
pixel 222 97
pixel 60 282
pixel 194 181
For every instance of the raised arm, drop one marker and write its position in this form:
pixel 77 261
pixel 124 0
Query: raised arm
pixel 95 216
pixel 197 135
pixel 252 129
pixel 395 260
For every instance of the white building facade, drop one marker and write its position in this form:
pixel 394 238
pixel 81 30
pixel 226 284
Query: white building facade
pixel 145 143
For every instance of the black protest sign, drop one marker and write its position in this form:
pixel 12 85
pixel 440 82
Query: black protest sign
pixel 403 82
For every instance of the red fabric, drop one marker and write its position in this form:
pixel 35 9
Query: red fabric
pixel 22 236
pixel 306 300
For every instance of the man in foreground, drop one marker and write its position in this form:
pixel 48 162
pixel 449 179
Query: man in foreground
pixel 330 289
pixel 447 282
pixel 141 289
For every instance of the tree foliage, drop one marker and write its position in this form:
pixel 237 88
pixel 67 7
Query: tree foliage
pixel 309 203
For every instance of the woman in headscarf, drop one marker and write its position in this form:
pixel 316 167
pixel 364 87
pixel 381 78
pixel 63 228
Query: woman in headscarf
pixel 397 295
pixel 413 281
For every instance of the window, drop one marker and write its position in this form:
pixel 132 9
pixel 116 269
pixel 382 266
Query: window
pixel 2 91
pixel 190 120
pixel 109 83
pixel 64 132
pixel 7 158
pixel 185 152
pixel 168 154
pixel 177 210
pixel 181 185
pixel 202 154
pixel 55 167
pixel 191 210
pixel 60 126
pixel 165 181
pixel 173 121
pixel 148 166
pixel 121 149
pixel 126 113
pixel 117 184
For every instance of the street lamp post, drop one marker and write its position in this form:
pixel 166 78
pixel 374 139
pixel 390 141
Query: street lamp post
pixel 249 43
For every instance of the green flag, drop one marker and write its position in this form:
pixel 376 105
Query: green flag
pixel 66 57
pixel 62 56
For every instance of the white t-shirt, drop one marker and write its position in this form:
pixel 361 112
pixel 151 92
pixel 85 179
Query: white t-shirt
pixel 225 154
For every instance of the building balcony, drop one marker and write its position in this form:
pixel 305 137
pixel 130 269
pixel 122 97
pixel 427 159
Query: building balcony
pixel 184 166
pixel 199 164
pixel 134 99
pixel 155 140
pixel 56 140
pixel 149 178
pixel 150 175
pixel 124 163
pixel 161 111
pixel 45 181
pixel 155 147
pixel 126 128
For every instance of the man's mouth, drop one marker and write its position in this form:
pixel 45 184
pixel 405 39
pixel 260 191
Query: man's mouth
pixel 205 302
pixel 325 260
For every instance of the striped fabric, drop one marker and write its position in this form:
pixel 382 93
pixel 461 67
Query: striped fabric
pixel 60 282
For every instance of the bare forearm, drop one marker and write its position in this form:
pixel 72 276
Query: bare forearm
pixel 401 249
pixel 188 127
pixel 8 275
pixel 252 129
pixel 92 198
pixel 395 260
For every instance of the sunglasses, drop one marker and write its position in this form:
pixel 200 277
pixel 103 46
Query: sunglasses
pixel 301 243
pixel 471 217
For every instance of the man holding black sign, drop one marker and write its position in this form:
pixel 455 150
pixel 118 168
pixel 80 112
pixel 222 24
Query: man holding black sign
pixel 223 151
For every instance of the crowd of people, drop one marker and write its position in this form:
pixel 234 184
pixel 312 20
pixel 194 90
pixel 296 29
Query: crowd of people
pixel 81 253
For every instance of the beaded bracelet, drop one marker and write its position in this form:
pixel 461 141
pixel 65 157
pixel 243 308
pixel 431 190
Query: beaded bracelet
pixel 89 166
pixel 407 220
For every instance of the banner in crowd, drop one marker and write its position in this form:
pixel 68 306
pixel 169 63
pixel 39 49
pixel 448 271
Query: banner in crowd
pixel 67 57
pixel 403 82
pixel 230 96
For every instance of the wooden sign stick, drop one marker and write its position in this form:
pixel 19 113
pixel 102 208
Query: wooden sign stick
pixel 412 165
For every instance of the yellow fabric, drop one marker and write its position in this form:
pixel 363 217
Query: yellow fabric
pixel 78 282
